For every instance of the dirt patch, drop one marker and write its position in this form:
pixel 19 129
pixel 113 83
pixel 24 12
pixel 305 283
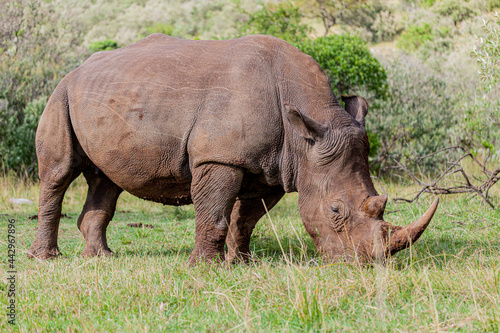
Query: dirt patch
pixel 140 225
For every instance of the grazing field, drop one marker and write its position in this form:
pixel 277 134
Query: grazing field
pixel 450 280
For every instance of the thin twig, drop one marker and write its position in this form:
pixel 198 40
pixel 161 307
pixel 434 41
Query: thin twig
pixel 455 167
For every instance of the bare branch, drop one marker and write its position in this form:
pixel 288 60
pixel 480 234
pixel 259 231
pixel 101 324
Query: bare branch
pixel 454 168
pixel 494 121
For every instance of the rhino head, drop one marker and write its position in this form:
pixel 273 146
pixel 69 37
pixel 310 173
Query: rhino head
pixel 338 203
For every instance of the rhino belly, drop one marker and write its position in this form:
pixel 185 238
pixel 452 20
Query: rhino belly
pixel 146 170
pixel 146 158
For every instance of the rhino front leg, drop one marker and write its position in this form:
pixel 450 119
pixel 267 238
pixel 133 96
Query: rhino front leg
pixel 98 210
pixel 214 189
pixel 246 213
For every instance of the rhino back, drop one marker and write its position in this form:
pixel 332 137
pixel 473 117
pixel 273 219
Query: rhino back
pixel 147 113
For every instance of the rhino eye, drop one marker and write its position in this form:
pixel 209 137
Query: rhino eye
pixel 336 220
pixel 335 210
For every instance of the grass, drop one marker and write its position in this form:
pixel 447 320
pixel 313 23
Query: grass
pixel 450 280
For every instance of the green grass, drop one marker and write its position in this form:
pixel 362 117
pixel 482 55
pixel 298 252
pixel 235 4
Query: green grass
pixel 450 280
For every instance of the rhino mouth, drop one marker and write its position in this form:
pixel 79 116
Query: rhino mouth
pixel 388 240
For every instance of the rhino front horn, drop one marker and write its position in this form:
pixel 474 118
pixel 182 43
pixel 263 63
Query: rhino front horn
pixel 401 238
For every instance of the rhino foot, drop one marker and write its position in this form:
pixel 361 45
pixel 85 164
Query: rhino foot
pixel 44 253
pixel 209 257
pixel 95 251
pixel 240 258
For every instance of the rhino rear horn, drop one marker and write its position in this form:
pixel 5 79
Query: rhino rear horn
pixel 374 206
pixel 303 125
pixel 357 107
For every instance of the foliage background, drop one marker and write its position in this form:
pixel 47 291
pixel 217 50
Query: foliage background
pixel 429 68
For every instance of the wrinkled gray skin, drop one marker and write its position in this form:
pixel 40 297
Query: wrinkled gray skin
pixel 220 124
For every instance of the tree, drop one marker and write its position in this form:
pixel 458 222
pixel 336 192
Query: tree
pixel 332 12
pixel 282 20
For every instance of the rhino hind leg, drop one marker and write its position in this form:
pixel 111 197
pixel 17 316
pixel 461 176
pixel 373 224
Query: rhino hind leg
pixel 97 212
pixel 44 245
pixel 245 215
pixel 214 190
pixel 60 161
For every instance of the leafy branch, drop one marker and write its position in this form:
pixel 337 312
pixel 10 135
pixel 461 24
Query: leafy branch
pixel 487 53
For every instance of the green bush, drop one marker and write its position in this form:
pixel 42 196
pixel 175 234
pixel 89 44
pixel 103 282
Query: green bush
pixel 417 117
pixel 159 27
pixel 375 144
pixel 457 10
pixel 426 3
pixel 487 52
pixel 348 63
pixel 493 4
pixel 481 121
pixel 17 148
pixel 414 36
pixel 34 55
pixel 103 45
pixel 384 26
pixel 482 114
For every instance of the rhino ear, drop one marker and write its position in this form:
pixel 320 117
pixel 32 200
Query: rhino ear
pixel 303 125
pixel 357 107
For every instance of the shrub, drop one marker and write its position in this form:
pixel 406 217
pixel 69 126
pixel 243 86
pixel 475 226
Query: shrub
pixel 17 148
pixel 482 115
pixel 493 4
pixel 414 36
pixel 416 117
pixel 35 55
pixel 103 45
pixel 384 25
pixel 481 119
pixel 487 52
pixel 159 27
pixel 348 63
pixel 427 3
pixel 457 10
